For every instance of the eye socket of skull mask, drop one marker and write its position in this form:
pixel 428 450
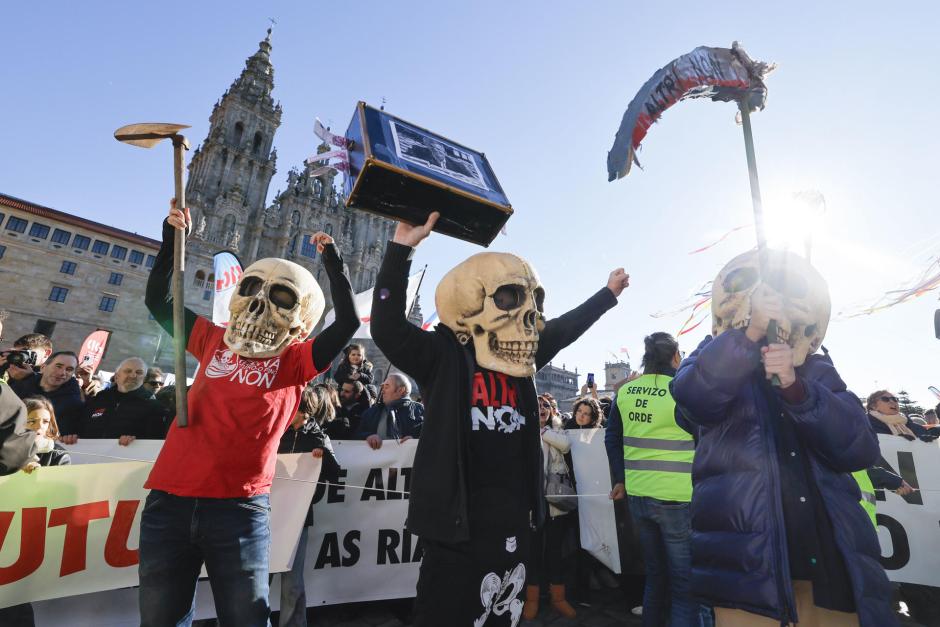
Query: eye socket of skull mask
pixel 250 286
pixel 509 297
pixel 740 280
pixel 540 299
pixel 282 296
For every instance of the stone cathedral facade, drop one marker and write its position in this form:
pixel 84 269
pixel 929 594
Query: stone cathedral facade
pixel 229 177
pixel 230 173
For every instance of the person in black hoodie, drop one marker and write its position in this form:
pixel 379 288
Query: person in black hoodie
pixel 125 411
pixel 56 381
pixel 305 434
pixel 477 474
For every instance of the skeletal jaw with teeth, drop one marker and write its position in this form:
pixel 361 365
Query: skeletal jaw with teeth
pixel 804 293
pixel 495 300
pixel 276 302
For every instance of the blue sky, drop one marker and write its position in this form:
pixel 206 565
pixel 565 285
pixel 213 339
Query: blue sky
pixel 540 87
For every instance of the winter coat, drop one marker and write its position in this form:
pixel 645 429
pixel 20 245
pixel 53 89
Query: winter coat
pixel 408 417
pixel 346 424
pixel 66 400
pixel 443 368
pixel 739 552
pixel 311 436
pixel 922 433
pixel 345 369
pixel 58 456
pixel 112 413
pixel 555 448
pixel 17 443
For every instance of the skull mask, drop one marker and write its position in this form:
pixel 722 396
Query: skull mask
pixel 495 299
pixel 804 291
pixel 276 302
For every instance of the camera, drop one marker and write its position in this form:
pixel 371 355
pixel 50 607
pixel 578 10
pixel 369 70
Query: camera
pixel 23 359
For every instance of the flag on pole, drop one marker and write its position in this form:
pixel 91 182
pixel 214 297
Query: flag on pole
pixel 431 321
pixel 227 271
pixel 623 349
pixel 324 133
pixel 364 306
pixel 93 349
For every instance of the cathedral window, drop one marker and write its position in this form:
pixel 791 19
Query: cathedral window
pixel 237 134
pixel 200 279
pixel 256 144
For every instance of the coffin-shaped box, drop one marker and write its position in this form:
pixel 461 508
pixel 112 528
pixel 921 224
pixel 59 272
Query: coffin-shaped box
pixel 404 172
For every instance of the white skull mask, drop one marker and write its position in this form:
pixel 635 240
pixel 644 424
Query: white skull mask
pixel 805 297
pixel 276 302
pixel 495 299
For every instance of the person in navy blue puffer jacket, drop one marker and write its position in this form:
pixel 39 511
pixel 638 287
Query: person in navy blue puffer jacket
pixel 777 529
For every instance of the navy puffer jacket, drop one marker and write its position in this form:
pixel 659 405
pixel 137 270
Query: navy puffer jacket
pixel 739 553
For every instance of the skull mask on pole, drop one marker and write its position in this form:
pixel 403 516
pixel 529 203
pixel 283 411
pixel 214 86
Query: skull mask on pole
pixel 803 290
pixel 496 300
pixel 276 302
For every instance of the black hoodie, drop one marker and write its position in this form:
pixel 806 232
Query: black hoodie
pixel 439 502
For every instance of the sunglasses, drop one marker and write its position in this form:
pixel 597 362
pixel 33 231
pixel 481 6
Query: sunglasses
pixel 888 399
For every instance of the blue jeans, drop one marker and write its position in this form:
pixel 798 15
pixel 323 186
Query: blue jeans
pixel 178 534
pixel 665 532
pixel 293 592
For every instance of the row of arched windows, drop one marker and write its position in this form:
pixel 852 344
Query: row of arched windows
pixel 237 133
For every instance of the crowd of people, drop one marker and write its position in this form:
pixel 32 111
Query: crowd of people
pixel 743 476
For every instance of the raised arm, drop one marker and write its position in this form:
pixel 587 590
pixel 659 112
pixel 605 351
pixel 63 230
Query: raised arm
pixel 565 329
pixel 331 340
pixel 159 296
pixel 409 348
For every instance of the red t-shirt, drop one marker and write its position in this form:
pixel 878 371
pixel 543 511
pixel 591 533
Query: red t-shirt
pixel 238 410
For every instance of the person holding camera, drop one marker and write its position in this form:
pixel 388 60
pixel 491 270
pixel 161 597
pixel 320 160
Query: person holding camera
pixel 29 353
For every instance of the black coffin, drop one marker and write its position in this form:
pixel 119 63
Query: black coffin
pixel 401 171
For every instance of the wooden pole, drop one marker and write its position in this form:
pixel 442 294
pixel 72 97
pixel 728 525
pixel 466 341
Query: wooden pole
pixel 180 145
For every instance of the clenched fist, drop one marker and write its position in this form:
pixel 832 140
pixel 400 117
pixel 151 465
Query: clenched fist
pixel 618 281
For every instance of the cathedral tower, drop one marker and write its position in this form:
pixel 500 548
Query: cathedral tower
pixel 230 172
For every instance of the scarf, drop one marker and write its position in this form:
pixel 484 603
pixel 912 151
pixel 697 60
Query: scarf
pixel 896 423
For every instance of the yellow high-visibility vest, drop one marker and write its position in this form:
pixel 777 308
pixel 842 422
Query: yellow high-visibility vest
pixel 868 494
pixel 657 453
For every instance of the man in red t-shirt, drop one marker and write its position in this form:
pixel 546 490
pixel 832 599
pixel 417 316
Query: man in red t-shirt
pixel 209 486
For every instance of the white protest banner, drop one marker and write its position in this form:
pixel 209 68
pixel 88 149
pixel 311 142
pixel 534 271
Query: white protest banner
pixel 596 512
pixel 358 549
pixel 908 526
pixel 71 530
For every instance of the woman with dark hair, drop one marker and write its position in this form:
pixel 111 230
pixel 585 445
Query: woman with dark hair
pixel 354 366
pixel 305 434
pixel 885 417
pixel 652 458
pixel 586 413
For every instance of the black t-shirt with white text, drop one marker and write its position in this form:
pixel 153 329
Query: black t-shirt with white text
pixel 498 504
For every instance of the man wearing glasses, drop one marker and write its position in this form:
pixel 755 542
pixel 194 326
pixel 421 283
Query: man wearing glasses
pixel 154 380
